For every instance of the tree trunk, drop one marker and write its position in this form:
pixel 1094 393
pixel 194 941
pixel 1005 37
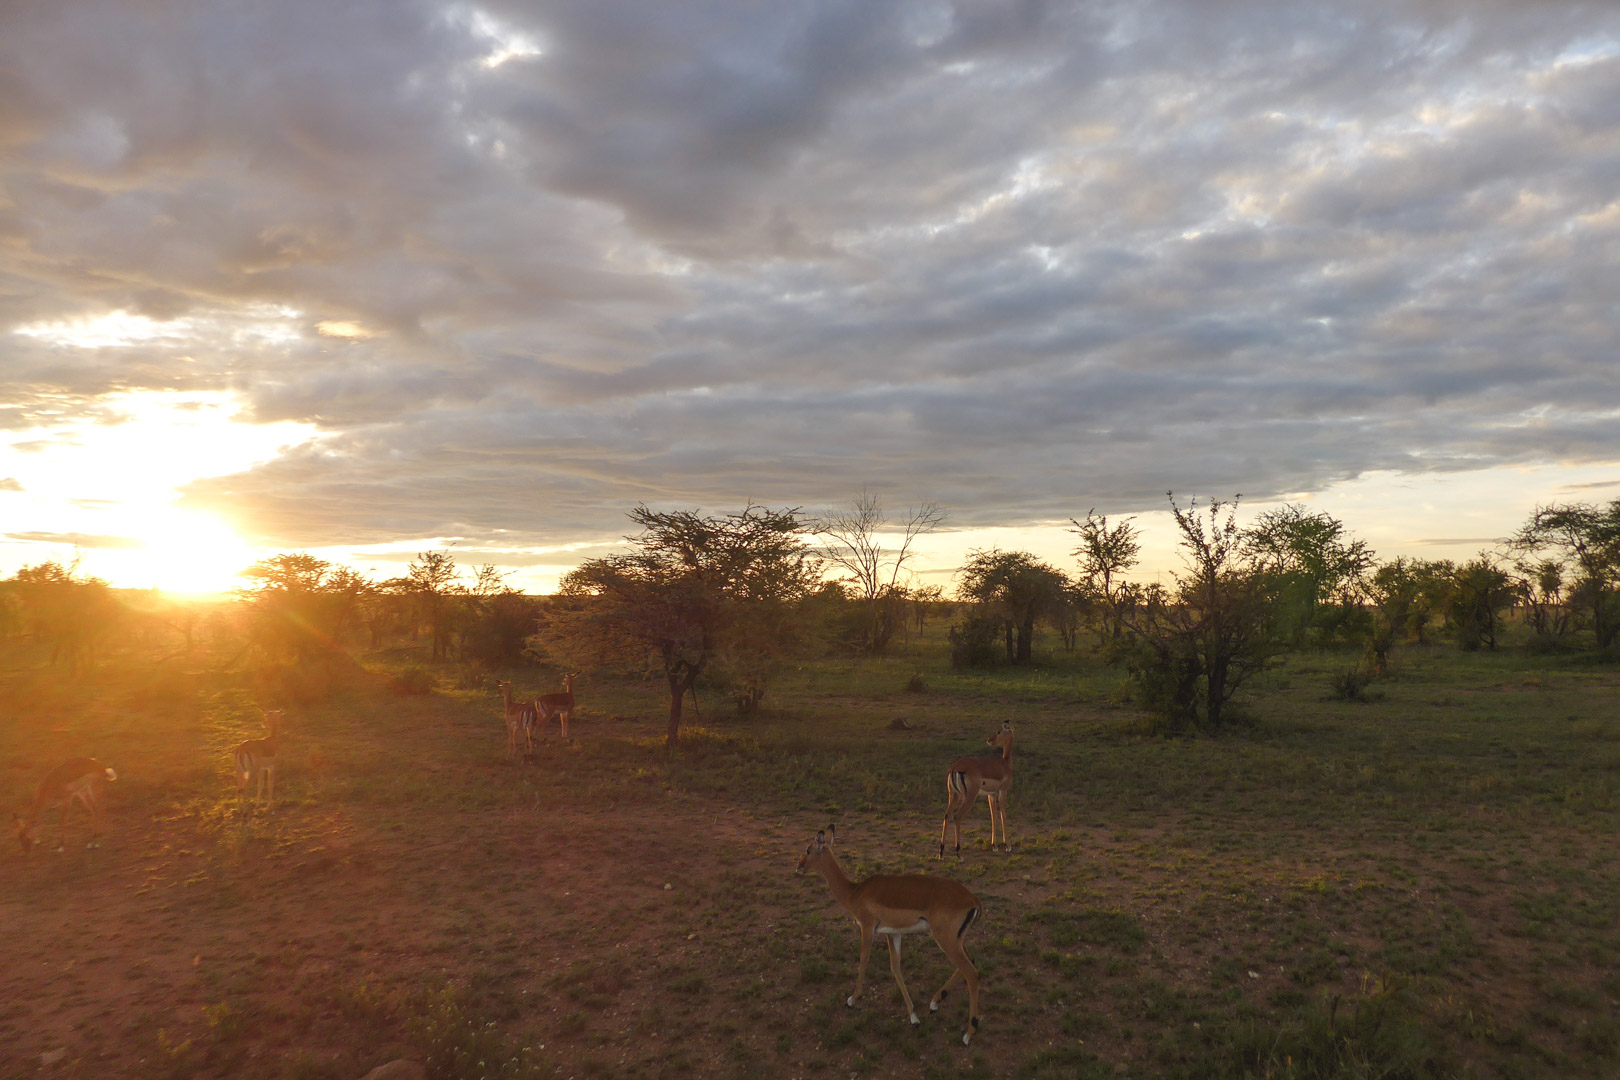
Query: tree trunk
pixel 677 694
pixel 1026 637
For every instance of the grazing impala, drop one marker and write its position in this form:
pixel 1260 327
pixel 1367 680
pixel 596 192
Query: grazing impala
pixel 898 904
pixel 558 705
pixel 521 721
pixel 256 760
pixel 970 777
pixel 81 780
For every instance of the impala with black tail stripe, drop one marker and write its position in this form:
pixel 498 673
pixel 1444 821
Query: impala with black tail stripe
pixel 894 905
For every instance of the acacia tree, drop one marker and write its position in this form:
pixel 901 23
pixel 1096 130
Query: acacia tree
pixel 690 589
pixel 1190 650
pixel 433 581
pixel 850 538
pixel 1313 556
pixel 1480 591
pixel 1584 540
pixel 303 605
pixel 1017 589
pixel 70 613
pixel 1105 553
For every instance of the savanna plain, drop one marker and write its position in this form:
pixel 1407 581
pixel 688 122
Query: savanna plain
pixel 1420 884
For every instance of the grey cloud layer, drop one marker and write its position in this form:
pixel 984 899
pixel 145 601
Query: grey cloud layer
pixel 1018 258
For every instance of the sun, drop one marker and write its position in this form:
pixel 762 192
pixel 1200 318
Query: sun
pixel 195 552
pixel 182 551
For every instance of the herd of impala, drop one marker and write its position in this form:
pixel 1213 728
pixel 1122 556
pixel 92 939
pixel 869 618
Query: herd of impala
pixel 890 906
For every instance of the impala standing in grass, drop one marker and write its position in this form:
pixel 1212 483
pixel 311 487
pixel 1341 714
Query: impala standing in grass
pixel 255 760
pixel 521 721
pixel 558 705
pixel 81 780
pixel 970 777
pixel 895 905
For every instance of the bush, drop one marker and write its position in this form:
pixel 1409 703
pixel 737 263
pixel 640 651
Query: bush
pixel 1164 677
pixel 976 642
pixel 412 682
pixel 915 684
pixel 1349 685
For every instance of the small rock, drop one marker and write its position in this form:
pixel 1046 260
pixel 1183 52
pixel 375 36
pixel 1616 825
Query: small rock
pixel 398 1069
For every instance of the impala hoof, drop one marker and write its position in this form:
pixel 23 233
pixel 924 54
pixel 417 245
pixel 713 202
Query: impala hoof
pixel 914 1019
pixel 850 1001
pixel 967 1037
pixel 933 1006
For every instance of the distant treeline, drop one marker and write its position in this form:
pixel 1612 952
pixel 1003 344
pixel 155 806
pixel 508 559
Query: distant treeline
pixel 731 598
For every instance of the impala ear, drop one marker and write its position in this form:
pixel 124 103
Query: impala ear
pixel 821 840
pixel 832 834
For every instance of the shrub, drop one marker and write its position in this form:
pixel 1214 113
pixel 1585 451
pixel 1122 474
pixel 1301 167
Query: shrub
pixel 915 684
pixel 412 682
pixel 1349 685
pixel 975 642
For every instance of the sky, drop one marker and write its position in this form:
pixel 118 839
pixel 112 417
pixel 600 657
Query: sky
pixel 371 278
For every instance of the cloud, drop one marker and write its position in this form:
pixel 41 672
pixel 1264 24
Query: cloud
pixel 10 483
pixel 527 264
pixel 79 540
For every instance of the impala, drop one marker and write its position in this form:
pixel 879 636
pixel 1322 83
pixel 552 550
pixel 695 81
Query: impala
pixel 255 760
pixel 558 705
pixel 895 905
pixel 521 721
pixel 970 777
pixel 82 780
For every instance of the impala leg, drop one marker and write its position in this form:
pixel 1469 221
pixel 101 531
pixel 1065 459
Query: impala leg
pixel 995 812
pixel 963 805
pixel 894 966
pixel 945 826
pixel 944 991
pixel 61 826
pixel 270 775
pixel 95 824
pixel 965 970
pixel 860 971
pixel 1001 808
pixel 564 721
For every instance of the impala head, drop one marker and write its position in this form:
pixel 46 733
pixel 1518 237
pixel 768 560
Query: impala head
pixel 273 719
pixel 1002 738
pixel 820 850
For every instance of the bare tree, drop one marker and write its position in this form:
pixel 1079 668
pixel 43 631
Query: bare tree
pixel 851 540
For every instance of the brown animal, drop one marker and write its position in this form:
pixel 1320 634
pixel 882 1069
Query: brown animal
pixel 256 760
pixel 522 721
pixel 970 777
pixel 895 905
pixel 558 705
pixel 81 780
